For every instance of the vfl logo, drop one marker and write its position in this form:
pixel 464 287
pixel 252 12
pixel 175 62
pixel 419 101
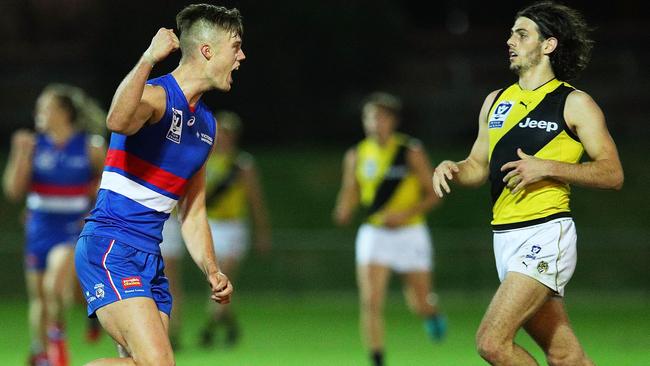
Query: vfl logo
pixel 176 128
pixel 500 114
pixel 533 252
pixel 544 125
pixel 370 169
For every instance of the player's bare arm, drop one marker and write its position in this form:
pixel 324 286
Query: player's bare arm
pixel 419 164
pixel 474 170
pixel 587 121
pixel 97 154
pixel 198 239
pixel 134 102
pixel 348 198
pixel 18 172
pixel 257 205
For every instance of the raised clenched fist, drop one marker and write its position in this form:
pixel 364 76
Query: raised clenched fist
pixel 162 44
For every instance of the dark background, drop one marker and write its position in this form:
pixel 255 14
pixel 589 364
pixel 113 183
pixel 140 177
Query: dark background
pixel 309 63
pixel 308 66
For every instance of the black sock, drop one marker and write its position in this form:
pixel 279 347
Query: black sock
pixel 377 358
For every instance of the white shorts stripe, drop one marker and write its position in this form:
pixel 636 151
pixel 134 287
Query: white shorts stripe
pixel 110 278
pixel 57 204
pixel 147 197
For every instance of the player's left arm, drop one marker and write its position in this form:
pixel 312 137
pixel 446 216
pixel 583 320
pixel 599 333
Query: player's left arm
pixel 97 155
pixel 198 238
pixel 420 166
pixel 257 204
pixel 587 121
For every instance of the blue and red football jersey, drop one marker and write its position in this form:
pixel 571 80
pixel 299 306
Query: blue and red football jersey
pixel 146 173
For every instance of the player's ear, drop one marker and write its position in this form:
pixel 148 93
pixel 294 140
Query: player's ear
pixel 550 44
pixel 206 51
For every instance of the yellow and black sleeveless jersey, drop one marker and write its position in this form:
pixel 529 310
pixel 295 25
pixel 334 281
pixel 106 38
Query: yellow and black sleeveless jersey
pixel 385 180
pixel 225 193
pixel 532 120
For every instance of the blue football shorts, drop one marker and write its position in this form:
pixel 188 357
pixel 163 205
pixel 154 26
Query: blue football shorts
pixel 44 232
pixel 109 271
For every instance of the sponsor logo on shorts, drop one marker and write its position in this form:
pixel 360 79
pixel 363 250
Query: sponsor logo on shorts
pixel 99 290
pixel 542 267
pixel 89 297
pixel 131 282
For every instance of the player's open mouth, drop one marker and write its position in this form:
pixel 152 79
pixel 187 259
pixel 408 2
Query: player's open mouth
pixel 511 55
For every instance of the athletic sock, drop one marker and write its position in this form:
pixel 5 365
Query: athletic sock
pixel 377 358
pixel 57 348
pixel 93 330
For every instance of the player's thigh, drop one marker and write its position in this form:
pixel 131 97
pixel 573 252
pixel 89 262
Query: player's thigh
pixel 138 325
pixel 60 268
pixel 516 300
pixel 550 328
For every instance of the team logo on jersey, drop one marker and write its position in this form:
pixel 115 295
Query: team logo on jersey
pixel 500 113
pixel 190 122
pixel 542 125
pixel 99 290
pixel 370 169
pixel 176 127
pixel 542 267
pixel 46 160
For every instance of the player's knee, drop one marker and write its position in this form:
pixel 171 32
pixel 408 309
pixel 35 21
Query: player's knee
pixel 488 347
pixel 420 307
pixel 567 357
pixel 37 304
pixel 371 304
pixel 155 359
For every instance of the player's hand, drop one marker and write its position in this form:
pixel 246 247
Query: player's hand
pixel 162 44
pixel 23 142
pixel 443 172
pixel 221 287
pixel 523 172
pixel 395 219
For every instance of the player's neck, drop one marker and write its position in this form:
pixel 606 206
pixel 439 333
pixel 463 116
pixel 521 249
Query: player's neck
pixel 192 86
pixel 61 134
pixel 535 77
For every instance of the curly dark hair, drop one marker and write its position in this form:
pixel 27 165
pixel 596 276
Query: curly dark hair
pixel 568 26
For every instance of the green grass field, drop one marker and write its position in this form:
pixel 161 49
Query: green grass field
pixel 321 329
